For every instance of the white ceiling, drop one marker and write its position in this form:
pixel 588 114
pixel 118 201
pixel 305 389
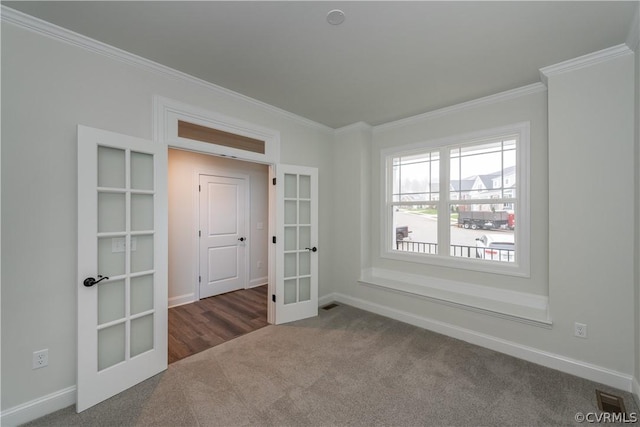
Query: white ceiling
pixel 388 60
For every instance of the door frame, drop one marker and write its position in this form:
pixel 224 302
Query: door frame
pixel 223 173
pixel 167 112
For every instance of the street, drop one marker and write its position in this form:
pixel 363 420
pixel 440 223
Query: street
pixel 423 228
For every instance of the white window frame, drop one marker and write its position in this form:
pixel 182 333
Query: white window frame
pixel 519 268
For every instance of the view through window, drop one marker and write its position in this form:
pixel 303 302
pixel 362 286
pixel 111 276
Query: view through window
pixel 462 196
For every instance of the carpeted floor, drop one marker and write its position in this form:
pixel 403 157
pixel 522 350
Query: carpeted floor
pixel 346 367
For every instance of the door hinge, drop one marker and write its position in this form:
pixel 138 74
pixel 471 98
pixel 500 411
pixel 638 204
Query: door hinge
pixel 199 279
pixel 274 181
pixel 199 233
pixel 273 239
pixel 273 297
pixel 200 188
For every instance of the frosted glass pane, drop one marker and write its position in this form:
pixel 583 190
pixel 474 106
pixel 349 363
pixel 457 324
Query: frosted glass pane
pixel 111 167
pixel 111 342
pixel 111 256
pixel 305 187
pixel 141 335
pixel 290 291
pixel 141 294
pixel 141 253
pixel 305 289
pixel 305 237
pixel 290 265
pixel 305 264
pixel 141 212
pixel 290 212
pixel 290 186
pixel 305 213
pixel 111 212
pixel 111 301
pixel 141 171
pixel 290 239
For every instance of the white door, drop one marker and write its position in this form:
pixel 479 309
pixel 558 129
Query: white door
pixel 297 243
pixel 223 235
pixel 122 263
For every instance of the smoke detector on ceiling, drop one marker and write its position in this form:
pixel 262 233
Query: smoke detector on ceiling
pixel 335 17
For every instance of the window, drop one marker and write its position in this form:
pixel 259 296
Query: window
pixel 455 202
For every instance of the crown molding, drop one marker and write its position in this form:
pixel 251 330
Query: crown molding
pixel 487 100
pixel 47 29
pixel 584 61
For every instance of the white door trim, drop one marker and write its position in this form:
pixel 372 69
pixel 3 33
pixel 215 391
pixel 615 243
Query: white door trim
pixel 167 110
pixel 223 173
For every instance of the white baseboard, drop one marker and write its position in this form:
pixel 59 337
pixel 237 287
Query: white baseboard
pixel 326 299
pixel 254 283
pixel 38 407
pixel 558 362
pixel 636 391
pixel 182 300
pixel 61 399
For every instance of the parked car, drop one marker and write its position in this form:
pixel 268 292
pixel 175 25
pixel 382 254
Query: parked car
pixel 496 247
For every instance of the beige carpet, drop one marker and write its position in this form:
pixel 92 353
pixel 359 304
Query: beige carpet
pixel 346 367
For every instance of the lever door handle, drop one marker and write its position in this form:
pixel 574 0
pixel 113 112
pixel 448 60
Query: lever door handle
pixel 313 249
pixel 90 281
pixel 242 239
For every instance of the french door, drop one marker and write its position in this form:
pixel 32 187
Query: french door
pixel 122 263
pixel 297 249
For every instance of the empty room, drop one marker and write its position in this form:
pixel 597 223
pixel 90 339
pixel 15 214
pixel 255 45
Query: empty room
pixel 435 204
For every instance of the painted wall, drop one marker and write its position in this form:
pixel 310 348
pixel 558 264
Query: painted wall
pixel 183 214
pixel 590 151
pixel 48 88
pixel 591 170
pixel 634 43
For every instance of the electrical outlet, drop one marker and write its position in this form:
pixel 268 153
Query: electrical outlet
pixel 580 330
pixel 40 359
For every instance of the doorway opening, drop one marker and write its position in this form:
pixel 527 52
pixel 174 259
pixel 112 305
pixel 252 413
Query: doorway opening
pixel 218 250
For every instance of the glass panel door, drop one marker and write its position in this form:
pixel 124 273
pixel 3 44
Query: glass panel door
pixel 121 263
pixel 297 259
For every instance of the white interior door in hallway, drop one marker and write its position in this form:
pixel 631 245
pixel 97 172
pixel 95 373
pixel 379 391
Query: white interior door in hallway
pixel 223 234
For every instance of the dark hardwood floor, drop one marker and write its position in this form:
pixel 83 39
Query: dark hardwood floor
pixel 211 321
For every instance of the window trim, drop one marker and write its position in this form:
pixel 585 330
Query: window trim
pixel 521 268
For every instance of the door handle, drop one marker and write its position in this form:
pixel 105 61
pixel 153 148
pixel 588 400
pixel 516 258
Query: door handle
pixel 242 239
pixel 313 249
pixel 90 281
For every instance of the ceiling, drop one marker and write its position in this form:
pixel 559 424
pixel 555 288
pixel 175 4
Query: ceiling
pixel 388 60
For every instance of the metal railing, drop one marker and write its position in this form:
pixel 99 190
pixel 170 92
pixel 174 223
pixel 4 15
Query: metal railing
pixel 507 255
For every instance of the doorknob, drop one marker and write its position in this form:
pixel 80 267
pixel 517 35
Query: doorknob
pixel 242 239
pixel 90 281
pixel 313 249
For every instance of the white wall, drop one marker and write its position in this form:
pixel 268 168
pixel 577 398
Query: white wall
pixel 48 88
pixel 634 42
pixel 592 112
pixel 591 175
pixel 183 166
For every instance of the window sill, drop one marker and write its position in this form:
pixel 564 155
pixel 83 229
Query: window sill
pixel 508 269
pixel 513 305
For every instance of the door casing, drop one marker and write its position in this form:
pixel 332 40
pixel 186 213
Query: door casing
pixel 167 112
